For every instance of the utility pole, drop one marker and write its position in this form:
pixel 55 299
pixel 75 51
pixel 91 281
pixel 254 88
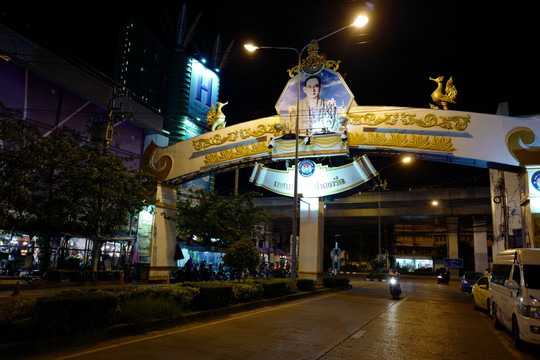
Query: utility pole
pixel 103 131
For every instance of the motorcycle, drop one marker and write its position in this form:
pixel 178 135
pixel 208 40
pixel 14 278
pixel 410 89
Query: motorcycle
pixel 443 277
pixel 395 287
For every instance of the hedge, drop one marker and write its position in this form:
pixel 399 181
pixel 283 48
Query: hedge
pixel 276 287
pixel 247 292
pixel 73 313
pixel 211 295
pixel 306 284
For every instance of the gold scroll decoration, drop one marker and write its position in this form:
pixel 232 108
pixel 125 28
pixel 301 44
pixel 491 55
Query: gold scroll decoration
pixel 409 141
pixel 459 123
pixel 314 63
pixel 525 156
pixel 236 153
pixel 232 136
pixel 159 169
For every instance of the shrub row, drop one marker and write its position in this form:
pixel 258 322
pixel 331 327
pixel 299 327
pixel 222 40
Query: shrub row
pixel 75 311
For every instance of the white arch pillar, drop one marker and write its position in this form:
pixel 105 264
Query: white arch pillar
pixel 311 243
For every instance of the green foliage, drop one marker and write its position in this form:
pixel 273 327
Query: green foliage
pixel 22 308
pixel 243 292
pixel 336 282
pixel 306 284
pixel 75 311
pixel 64 183
pixel 72 313
pixel 242 255
pixel 141 310
pixel 212 295
pixel 276 287
pixel 182 296
pixel 211 216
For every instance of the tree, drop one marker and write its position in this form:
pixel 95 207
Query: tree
pixel 64 183
pixel 19 152
pixel 242 255
pixel 223 218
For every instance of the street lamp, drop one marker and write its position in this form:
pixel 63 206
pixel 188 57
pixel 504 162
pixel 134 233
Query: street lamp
pixel 404 160
pixel 360 21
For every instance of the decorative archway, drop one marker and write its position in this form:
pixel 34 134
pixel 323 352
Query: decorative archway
pixel 484 140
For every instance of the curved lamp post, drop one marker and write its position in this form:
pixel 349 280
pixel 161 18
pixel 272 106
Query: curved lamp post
pixel 404 160
pixel 360 21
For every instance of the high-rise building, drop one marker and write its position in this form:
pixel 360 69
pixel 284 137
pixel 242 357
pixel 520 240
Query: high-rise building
pixel 141 63
pixel 168 79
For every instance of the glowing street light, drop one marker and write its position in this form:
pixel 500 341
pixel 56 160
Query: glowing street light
pixel 360 21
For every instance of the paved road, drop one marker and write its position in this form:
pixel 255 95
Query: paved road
pixel 430 321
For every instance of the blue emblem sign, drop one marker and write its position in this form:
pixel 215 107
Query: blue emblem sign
pixel 306 168
pixel 536 180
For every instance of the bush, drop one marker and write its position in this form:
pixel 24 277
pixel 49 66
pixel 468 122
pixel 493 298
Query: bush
pixel 22 308
pixel 70 313
pixel 246 292
pixel 276 287
pixel 306 284
pixel 336 282
pixel 212 295
pixel 143 309
pixel 183 296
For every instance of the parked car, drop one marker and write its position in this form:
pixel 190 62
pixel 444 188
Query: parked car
pixel 514 289
pixel 468 279
pixel 480 293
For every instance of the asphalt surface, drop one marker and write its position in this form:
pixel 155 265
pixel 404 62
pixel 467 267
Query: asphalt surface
pixel 429 321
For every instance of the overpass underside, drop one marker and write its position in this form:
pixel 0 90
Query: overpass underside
pixel 410 213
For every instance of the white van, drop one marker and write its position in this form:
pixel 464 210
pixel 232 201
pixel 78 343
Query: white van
pixel 515 293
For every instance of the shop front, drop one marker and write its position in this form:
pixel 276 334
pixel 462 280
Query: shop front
pixel 412 263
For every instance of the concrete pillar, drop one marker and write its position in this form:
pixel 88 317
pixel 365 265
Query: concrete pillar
pixel 480 245
pixel 163 241
pixel 453 252
pixel 311 243
pixel 506 193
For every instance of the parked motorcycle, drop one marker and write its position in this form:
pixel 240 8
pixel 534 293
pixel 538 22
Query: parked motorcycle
pixel 395 286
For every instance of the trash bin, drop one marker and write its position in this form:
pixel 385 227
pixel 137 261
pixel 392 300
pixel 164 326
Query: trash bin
pixel 141 271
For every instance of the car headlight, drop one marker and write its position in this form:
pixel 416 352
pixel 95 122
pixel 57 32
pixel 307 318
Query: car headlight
pixel 530 311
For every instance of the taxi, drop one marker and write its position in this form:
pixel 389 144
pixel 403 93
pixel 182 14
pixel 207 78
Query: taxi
pixel 480 293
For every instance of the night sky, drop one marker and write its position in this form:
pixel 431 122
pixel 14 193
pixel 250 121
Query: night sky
pixel 491 49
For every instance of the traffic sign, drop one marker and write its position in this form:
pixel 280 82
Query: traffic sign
pixel 453 263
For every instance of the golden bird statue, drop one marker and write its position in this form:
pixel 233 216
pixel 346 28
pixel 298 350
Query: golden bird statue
pixel 216 118
pixel 443 99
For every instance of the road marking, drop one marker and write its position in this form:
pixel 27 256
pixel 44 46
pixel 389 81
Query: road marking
pixel 358 334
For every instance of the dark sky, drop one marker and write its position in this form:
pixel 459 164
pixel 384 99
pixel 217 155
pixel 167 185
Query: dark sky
pixel 491 49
